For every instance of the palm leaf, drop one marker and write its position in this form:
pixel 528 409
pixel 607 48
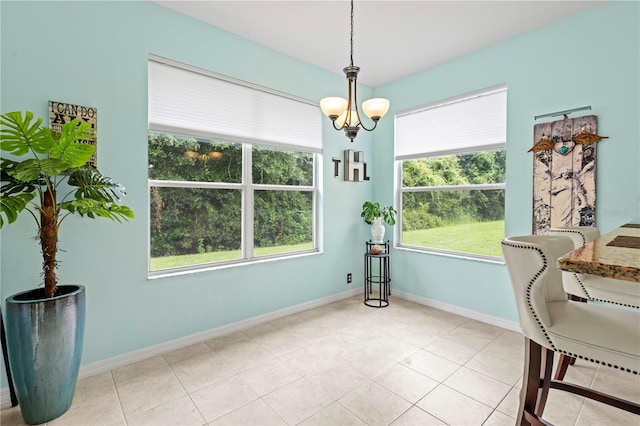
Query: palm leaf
pixel 94 208
pixel 68 147
pixel 92 184
pixel 11 185
pixel 32 169
pixel 20 135
pixel 12 205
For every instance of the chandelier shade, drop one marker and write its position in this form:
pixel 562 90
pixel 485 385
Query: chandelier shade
pixel 333 106
pixel 375 108
pixel 344 113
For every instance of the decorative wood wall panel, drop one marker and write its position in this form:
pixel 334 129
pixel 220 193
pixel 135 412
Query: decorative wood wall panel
pixel 564 178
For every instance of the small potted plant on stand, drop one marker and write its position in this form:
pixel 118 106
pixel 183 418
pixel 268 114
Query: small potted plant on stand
pixel 45 326
pixel 375 215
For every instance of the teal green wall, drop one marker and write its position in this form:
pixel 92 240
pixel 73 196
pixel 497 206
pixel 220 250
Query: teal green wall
pixel 95 54
pixel 591 58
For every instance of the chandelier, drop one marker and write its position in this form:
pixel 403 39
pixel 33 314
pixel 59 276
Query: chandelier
pixel 344 113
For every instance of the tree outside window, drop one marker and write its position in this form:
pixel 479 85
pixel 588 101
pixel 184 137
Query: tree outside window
pixel 454 203
pixel 201 211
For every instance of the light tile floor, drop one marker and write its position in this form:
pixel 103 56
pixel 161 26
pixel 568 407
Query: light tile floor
pixel 340 364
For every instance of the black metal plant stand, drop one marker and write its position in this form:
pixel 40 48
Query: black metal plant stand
pixel 376 274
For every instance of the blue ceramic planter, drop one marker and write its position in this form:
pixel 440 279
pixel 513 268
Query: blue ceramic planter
pixel 44 339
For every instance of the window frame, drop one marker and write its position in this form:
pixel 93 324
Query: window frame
pixel 247 189
pixel 311 145
pixel 401 189
pixel 467 187
pixel 247 223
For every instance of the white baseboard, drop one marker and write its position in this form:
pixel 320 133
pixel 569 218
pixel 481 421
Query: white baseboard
pixel 479 316
pixel 98 367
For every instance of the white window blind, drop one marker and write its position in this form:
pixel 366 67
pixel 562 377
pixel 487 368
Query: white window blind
pixel 465 123
pixel 188 100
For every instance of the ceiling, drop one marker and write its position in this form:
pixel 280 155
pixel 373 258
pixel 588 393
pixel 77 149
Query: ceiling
pixel 392 39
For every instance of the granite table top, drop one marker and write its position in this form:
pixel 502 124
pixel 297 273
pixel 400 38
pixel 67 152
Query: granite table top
pixel 613 255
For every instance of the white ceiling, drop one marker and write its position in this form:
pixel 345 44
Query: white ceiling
pixel 392 38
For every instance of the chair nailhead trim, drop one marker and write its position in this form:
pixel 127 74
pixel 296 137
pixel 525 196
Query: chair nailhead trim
pixel 582 286
pixel 585 294
pixel 602 300
pixel 533 312
pixel 572 231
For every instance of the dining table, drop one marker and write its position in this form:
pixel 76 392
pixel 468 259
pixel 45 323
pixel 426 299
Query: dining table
pixel 615 254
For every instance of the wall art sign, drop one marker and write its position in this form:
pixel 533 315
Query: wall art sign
pixel 355 169
pixel 564 173
pixel 61 112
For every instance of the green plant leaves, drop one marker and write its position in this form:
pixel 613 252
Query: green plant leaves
pixel 389 215
pixel 92 184
pixel 96 196
pixel 12 205
pixel 14 194
pixel 68 147
pixel 53 159
pixel 32 169
pixel 20 135
pixel 371 211
pixel 94 208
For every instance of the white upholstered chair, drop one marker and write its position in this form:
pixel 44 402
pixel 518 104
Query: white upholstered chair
pixel 551 323
pixel 583 287
pixel 591 287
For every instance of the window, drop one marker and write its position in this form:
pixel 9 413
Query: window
pixel 221 193
pixel 451 161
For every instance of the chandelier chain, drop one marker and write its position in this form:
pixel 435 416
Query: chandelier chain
pixel 351 32
pixel 344 113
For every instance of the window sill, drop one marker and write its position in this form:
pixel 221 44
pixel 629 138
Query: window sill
pixel 454 255
pixel 153 275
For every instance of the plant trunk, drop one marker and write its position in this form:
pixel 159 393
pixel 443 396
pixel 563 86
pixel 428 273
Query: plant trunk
pixel 49 241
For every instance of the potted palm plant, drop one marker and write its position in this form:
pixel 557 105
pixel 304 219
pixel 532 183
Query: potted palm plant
pixel 45 326
pixel 373 214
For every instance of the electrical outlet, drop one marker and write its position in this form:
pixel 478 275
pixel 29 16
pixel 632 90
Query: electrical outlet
pixel 349 278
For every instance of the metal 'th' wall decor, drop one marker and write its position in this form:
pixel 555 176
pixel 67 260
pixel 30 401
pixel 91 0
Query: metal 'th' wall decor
pixel 564 177
pixel 355 169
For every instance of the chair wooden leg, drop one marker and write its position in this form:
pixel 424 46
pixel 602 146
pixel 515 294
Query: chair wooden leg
pixel 538 365
pixel 536 382
pixel 611 400
pixel 546 368
pixel 563 363
pixel 530 383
